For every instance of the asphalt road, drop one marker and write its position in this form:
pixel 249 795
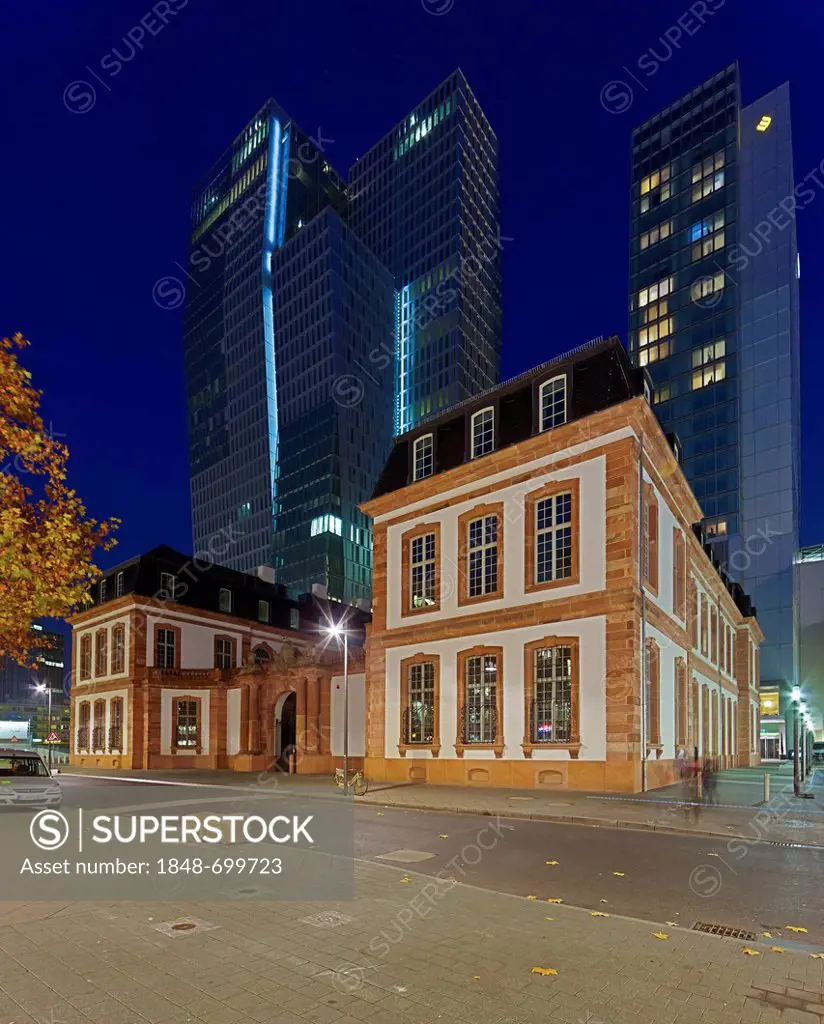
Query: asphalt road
pixel 662 877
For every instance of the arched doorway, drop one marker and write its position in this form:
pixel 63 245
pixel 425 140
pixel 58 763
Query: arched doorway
pixel 285 729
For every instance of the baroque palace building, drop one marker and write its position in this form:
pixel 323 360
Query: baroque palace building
pixel 180 663
pixel 545 611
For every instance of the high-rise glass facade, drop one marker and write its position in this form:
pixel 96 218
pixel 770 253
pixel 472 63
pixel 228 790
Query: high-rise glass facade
pixel 425 200
pixel 714 318
pixel 321 315
pixel 268 182
pixel 334 311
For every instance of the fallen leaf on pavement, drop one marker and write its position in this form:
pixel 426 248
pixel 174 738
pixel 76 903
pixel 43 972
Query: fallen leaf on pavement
pixel 549 918
pixel 532 897
pixel 767 935
pixel 554 900
pixel 672 924
pixel 778 949
pixel 817 956
pixel 713 854
pixel 660 935
pixel 751 952
pixel 476 977
pixel 543 970
pixel 597 913
pixel 603 901
pixel 795 928
pixel 618 874
pixel 444 836
pixel 406 880
pixel 379 814
pixel 553 862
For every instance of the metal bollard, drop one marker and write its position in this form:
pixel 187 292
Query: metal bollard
pixel 766 787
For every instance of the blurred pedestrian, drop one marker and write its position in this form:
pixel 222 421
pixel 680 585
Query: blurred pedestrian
pixel 709 780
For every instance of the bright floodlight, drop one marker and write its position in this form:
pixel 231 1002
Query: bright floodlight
pixel 333 630
pixel 40 687
pixel 796 694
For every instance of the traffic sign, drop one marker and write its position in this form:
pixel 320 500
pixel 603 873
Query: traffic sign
pixel 53 738
pixel 13 739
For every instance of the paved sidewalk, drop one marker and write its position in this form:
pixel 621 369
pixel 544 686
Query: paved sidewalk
pixel 403 952
pixel 784 820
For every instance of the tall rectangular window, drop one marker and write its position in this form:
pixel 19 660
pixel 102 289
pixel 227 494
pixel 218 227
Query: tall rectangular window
pixel 649 551
pixel 422 564
pixel 263 611
pixel 119 582
pixel 224 601
pixel 423 457
pixel 118 648
pixel 483 432
pixel 551 703
pixel 679 574
pixel 553 403
pixel 482 543
pixel 103 588
pixel 168 586
pixel 116 724
pixel 553 538
pixel 165 648
pixel 86 656
pixel 101 659
pixel 419 723
pixel 223 652
pixel 480 711
pixel 707 176
pixel 186 724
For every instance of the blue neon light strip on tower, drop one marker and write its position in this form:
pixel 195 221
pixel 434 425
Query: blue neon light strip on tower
pixel 273 227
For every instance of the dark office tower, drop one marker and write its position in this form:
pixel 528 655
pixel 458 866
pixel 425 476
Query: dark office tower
pixel 425 201
pixel 269 182
pixel 714 318
pixel 333 345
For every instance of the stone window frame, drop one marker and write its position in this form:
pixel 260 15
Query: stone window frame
pixel 714 659
pixel 84 720
pixel 681 703
pixel 101 653
pixel 541 425
pixel 421 530
pixel 573 745
pixel 496 509
pixel 705 613
pixel 84 668
pixel 175 630
pixel 116 747
pixel 571 485
pixel 98 748
pixel 176 702
pixel 406 664
pixel 490 411
pixel 649 535
pixel 652 680
pixel 463 657
pixel 118 633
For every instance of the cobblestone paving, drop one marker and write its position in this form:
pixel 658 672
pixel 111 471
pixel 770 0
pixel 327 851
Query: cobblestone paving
pixel 407 950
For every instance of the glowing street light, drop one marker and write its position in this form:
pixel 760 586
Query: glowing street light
pixel 335 631
pixel 43 688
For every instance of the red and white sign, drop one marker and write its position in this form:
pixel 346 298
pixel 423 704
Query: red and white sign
pixel 53 738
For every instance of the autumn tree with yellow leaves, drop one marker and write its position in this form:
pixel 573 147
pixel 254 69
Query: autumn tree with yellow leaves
pixel 46 539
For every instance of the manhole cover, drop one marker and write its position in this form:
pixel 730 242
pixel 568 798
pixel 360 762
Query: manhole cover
pixel 326 919
pixel 722 929
pixel 406 856
pixel 179 929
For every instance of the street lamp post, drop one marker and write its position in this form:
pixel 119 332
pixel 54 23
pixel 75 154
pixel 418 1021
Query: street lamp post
pixel 337 632
pixel 802 726
pixel 42 688
pixel 796 699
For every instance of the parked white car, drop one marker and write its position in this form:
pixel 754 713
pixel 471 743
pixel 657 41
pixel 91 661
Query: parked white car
pixel 25 781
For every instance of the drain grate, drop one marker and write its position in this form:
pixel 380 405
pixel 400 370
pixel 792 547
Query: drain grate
pixel 722 929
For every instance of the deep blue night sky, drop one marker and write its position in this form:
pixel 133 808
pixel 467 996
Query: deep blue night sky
pixel 96 204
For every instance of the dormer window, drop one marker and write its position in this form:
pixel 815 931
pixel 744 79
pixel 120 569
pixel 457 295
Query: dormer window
pixel 553 402
pixel 423 457
pixel 483 432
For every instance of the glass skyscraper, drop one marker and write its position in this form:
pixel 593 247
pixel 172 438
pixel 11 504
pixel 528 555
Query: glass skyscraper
pixel 425 200
pixel 320 316
pixel 714 318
